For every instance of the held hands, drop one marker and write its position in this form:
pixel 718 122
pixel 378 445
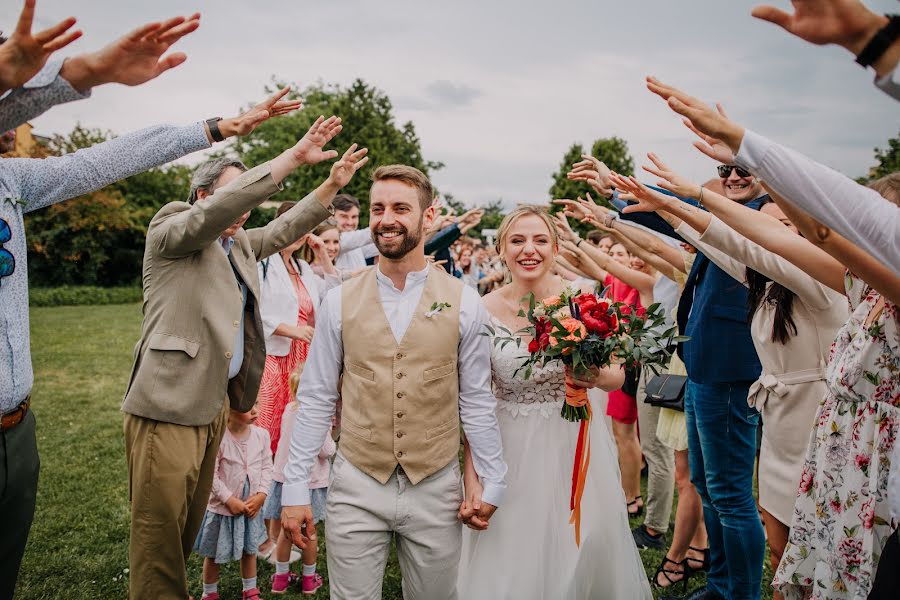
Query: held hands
pixel 133 59
pixel 24 53
pixel 299 525
pixel 713 126
pixel 473 511
pixel 254 504
pixel 247 122
pixel 847 23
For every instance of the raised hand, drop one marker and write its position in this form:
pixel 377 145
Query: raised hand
pixel 647 200
pixel 352 161
pixel 308 151
pixel 704 121
pixel 574 209
pixel 24 53
pixel 273 106
pixel 469 219
pixel 675 183
pixel 847 23
pixel 594 172
pixel 133 59
pixel 562 226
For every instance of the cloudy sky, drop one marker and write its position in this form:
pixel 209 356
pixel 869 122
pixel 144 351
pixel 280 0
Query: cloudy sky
pixel 498 90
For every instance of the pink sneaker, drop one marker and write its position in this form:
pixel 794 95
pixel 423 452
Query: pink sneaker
pixel 282 581
pixel 251 594
pixel 311 583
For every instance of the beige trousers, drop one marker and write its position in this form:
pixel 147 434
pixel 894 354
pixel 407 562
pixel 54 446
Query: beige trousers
pixel 362 516
pixel 170 473
pixel 660 462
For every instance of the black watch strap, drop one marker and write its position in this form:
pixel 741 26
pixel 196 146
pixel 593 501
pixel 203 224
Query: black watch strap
pixel 213 125
pixel 879 44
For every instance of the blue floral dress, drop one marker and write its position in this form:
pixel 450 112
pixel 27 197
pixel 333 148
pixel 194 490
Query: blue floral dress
pixel 842 518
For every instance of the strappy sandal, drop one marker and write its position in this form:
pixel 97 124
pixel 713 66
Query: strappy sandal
pixel 661 569
pixel 640 509
pixel 704 564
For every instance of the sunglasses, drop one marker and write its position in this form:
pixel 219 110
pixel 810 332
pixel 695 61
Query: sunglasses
pixel 725 171
pixel 7 260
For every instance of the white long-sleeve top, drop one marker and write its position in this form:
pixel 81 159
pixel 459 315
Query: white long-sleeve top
pixel 858 213
pixel 319 385
pixel 356 247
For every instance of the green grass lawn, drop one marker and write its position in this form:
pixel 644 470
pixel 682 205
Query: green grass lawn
pixel 79 542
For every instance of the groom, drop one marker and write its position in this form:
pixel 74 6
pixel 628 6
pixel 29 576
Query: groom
pixel 405 336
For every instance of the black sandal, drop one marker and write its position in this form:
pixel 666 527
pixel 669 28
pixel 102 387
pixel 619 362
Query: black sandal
pixel 685 575
pixel 638 512
pixel 704 564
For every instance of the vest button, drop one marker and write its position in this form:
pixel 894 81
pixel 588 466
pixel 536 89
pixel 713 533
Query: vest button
pixel 399 356
pixel 400 414
pixel 235 323
pixel 228 355
pixel 399 453
pixel 399 434
pixel 399 375
pixel 400 394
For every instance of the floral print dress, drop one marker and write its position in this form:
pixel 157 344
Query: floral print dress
pixel 842 518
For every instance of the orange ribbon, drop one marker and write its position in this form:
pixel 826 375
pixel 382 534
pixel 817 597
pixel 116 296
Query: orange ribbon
pixel 576 396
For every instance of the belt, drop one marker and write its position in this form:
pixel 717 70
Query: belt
pixel 11 419
pixel 769 384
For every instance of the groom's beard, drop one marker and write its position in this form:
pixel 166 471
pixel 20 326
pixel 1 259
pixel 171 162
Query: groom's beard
pixel 400 246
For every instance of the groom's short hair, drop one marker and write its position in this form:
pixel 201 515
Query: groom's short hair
pixel 411 176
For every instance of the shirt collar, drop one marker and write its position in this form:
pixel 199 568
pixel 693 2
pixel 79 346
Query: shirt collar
pixel 227 243
pixel 411 277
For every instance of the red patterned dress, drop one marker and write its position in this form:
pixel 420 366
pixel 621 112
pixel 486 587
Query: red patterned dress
pixel 274 391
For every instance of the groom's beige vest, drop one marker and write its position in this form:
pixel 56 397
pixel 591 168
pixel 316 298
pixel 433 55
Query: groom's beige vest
pixel 400 401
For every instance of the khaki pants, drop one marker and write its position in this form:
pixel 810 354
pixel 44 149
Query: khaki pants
pixel 660 462
pixel 170 473
pixel 362 515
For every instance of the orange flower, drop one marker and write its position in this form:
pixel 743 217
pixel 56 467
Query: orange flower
pixel 551 301
pixel 575 328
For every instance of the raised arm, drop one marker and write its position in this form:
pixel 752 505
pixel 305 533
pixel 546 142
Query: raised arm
pixel 134 59
pixel 768 232
pixel 854 211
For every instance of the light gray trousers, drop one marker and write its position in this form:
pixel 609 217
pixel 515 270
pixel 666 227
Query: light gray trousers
pixel 660 462
pixel 362 516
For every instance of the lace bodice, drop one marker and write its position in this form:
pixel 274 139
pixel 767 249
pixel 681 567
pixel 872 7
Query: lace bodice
pixel 543 391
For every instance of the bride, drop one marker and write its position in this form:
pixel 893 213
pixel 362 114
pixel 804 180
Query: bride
pixel 528 552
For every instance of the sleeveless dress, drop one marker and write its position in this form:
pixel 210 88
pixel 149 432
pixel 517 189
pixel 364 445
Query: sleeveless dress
pixel 529 550
pixel 274 389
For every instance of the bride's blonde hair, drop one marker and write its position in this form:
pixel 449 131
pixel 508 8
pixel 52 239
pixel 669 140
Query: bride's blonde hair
pixel 520 211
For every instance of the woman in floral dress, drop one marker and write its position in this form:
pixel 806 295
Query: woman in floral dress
pixel 842 518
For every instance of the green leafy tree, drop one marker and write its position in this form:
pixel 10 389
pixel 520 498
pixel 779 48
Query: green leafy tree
pixel 888 160
pixel 368 120
pixel 614 153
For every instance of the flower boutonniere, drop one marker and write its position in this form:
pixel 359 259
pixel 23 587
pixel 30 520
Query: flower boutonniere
pixel 436 308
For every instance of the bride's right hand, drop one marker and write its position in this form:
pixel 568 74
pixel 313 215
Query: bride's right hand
pixel 471 504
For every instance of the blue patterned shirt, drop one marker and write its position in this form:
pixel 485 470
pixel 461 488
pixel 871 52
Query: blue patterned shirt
pixel 42 91
pixel 27 184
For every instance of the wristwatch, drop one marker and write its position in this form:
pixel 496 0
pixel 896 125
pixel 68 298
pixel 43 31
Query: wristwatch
pixel 879 44
pixel 214 132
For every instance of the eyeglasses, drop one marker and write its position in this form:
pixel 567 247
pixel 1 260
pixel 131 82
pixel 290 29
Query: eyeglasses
pixel 725 171
pixel 7 260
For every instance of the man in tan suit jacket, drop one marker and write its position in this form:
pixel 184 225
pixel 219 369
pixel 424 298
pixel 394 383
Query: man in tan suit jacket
pixel 202 341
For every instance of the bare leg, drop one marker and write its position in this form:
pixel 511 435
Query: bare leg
pixel 629 459
pixel 777 536
pixel 248 566
pixel 283 548
pixel 210 571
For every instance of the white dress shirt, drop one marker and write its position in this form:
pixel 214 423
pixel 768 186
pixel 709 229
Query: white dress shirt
pixel 318 391
pixel 858 213
pixel 356 247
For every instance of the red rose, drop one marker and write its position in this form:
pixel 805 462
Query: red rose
pixel 586 301
pixel 544 340
pixel 533 346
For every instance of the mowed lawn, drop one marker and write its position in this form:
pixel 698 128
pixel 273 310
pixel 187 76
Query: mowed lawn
pixel 78 547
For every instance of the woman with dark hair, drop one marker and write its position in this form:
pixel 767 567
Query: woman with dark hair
pixel 793 321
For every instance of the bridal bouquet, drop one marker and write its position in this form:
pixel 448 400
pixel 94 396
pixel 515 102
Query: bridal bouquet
pixel 587 331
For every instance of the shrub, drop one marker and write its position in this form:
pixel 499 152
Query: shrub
pixel 71 295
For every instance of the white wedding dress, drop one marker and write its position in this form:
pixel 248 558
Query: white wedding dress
pixel 529 552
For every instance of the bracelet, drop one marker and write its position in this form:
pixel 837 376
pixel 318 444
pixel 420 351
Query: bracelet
pixel 578 243
pixel 879 44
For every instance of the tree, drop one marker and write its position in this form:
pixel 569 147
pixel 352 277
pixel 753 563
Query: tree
pixel 888 160
pixel 368 120
pixel 614 154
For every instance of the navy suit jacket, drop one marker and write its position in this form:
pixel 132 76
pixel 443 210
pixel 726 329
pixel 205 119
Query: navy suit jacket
pixel 713 313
